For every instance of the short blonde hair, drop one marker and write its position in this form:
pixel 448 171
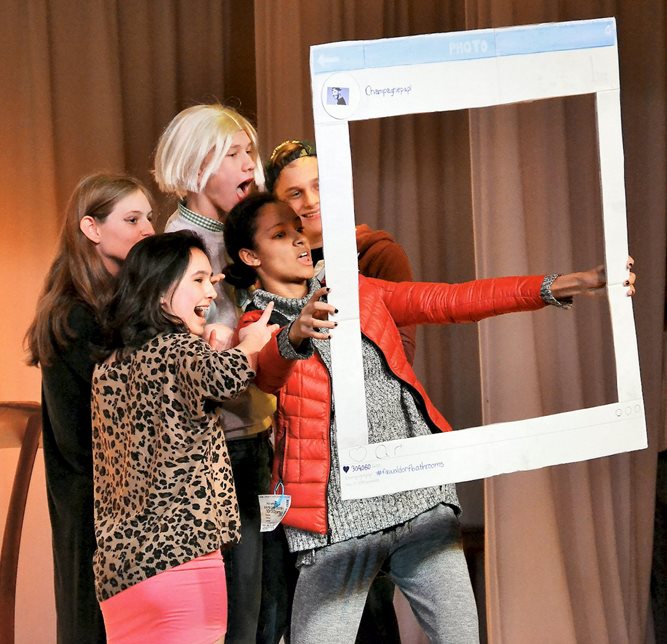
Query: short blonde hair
pixel 190 136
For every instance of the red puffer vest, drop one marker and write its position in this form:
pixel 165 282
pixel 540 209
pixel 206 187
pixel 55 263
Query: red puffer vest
pixel 303 387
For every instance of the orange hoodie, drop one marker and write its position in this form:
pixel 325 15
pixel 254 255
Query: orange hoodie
pixel 381 257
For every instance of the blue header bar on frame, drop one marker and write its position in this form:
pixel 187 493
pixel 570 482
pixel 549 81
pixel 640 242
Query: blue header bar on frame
pixel 463 45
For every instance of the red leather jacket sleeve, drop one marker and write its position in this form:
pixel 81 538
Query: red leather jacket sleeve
pixel 432 303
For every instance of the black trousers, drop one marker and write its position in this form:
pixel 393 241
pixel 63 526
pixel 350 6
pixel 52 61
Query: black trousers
pixel 251 458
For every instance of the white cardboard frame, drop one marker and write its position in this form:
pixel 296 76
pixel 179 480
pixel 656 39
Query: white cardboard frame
pixel 452 71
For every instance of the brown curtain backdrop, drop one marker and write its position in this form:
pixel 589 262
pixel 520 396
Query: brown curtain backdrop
pixel 88 85
pixel 571 545
pixel 510 190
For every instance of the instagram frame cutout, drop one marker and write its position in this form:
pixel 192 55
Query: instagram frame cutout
pixel 360 80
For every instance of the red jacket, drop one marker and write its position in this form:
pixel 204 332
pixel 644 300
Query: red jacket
pixel 303 387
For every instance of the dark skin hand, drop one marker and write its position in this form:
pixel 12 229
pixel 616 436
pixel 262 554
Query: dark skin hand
pixel 313 317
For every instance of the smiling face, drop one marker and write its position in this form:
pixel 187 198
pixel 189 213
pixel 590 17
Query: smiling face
pixel 114 236
pixel 190 298
pixel 232 181
pixel 298 184
pixel 281 256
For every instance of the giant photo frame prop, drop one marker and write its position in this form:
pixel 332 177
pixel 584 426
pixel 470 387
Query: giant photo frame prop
pixel 439 72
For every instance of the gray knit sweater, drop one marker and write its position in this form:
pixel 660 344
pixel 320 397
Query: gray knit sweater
pixel 392 414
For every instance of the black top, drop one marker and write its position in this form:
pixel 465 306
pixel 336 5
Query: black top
pixel 67 436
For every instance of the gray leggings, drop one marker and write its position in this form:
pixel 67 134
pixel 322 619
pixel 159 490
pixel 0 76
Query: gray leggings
pixel 423 557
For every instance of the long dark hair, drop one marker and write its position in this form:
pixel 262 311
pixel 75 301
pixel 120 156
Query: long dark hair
pixel 77 274
pixel 151 268
pixel 240 229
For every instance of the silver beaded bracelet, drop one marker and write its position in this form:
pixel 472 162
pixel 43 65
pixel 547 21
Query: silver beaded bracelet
pixel 548 297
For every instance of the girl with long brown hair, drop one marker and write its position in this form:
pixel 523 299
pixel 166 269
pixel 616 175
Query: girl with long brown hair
pixel 106 215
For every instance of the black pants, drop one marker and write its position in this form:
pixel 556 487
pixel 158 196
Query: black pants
pixel 250 459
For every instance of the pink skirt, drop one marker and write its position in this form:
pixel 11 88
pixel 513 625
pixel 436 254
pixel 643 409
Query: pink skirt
pixel 187 603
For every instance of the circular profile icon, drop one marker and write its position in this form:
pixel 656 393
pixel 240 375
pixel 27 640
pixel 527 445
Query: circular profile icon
pixel 340 96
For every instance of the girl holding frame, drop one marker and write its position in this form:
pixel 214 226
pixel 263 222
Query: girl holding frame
pixel 412 536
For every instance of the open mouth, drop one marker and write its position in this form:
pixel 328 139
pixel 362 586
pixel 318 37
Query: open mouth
pixel 201 311
pixel 243 189
pixel 305 257
pixel 310 215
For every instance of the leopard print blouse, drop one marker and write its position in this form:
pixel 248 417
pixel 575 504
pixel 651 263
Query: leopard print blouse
pixel 164 492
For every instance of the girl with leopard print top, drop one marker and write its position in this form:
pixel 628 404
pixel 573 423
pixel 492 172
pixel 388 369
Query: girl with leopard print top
pixel 165 504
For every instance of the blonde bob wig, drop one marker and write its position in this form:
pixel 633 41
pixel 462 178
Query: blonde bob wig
pixel 181 163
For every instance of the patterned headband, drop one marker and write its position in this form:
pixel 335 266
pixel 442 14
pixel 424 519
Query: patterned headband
pixel 282 155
